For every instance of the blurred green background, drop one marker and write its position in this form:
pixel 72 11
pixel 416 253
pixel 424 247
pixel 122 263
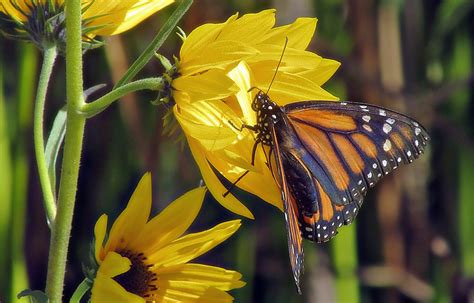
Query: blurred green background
pixel 413 240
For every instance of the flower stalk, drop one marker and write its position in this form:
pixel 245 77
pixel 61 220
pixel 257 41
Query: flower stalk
pixel 93 108
pixel 61 229
pixel 49 57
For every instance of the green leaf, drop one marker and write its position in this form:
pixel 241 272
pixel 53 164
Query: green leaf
pixel 151 49
pixel 54 143
pixel 35 296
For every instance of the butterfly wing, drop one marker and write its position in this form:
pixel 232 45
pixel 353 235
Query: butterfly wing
pixel 345 148
pixel 295 241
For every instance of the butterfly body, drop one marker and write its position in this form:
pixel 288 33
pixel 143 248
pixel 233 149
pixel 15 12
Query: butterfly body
pixel 327 155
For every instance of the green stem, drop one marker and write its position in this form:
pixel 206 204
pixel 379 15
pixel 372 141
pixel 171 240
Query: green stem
pixel 93 108
pixel 61 229
pixel 156 43
pixel 80 291
pixel 49 57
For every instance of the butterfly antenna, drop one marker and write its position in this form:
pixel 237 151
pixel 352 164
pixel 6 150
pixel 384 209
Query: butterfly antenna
pixel 278 65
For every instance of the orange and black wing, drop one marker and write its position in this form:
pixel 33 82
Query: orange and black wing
pixel 295 241
pixel 332 152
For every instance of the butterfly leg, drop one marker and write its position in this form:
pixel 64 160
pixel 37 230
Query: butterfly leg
pixel 254 150
pixel 235 183
pixel 251 127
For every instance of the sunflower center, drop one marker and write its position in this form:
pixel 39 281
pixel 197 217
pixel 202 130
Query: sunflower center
pixel 139 279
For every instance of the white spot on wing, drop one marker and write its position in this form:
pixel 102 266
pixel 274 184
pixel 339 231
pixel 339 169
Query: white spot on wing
pixel 387 145
pixel 390 120
pixel 367 127
pixel 417 131
pixel 384 163
pixel 366 118
pixel 382 112
pixel 386 128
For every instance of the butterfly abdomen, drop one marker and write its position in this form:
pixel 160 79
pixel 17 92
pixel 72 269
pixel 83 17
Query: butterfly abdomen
pixel 301 184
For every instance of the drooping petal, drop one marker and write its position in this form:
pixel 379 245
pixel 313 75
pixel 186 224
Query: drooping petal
pixel 217 277
pixel 100 229
pixel 193 245
pixel 212 123
pixel 133 219
pixel 171 223
pixel 259 173
pixel 213 183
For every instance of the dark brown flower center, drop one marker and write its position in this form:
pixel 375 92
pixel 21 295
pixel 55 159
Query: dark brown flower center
pixel 139 279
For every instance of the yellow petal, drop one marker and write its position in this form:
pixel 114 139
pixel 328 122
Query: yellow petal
pixel 189 292
pixel 260 174
pixel 299 34
pixel 120 16
pixel 288 88
pixel 210 136
pixel 217 277
pixel 99 233
pixel 7 7
pixel 242 77
pixel 214 184
pixel 250 28
pixel 107 290
pixel 133 219
pixel 193 245
pixel 213 84
pixel 200 37
pixel 114 264
pixel 325 70
pixel 219 54
pixel 171 223
pixel 292 57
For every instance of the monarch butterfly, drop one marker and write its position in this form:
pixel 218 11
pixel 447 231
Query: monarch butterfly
pixel 327 154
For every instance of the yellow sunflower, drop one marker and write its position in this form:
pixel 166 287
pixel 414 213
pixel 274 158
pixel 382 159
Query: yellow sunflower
pixel 42 21
pixel 147 261
pixel 218 65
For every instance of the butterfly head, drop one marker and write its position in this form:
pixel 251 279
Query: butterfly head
pixel 264 106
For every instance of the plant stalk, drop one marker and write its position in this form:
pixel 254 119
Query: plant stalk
pixel 49 57
pixel 61 228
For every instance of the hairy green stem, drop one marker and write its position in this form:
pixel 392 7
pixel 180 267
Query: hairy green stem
pixel 93 108
pixel 49 57
pixel 61 229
